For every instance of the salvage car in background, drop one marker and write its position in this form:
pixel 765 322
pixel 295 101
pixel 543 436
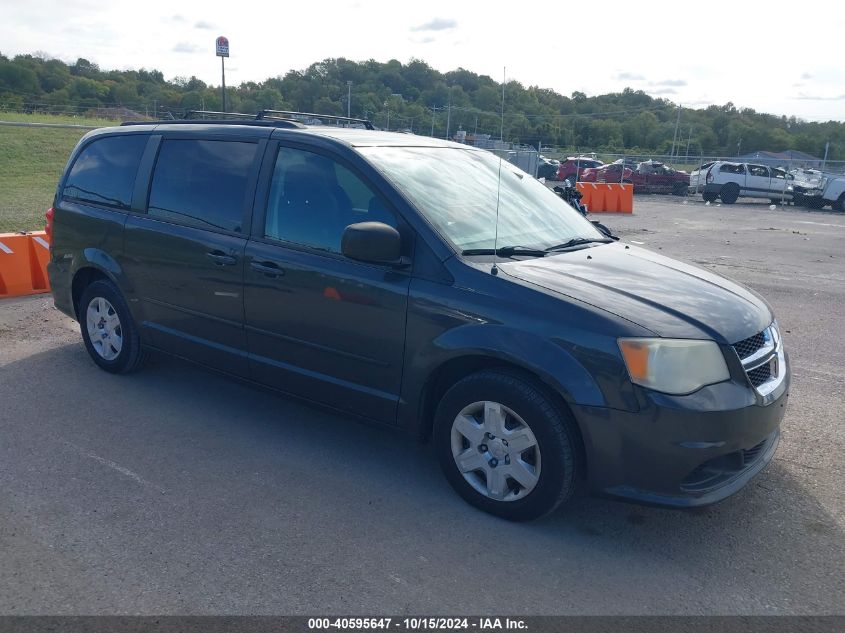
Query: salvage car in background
pixel 572 168
pixel 819 192
pixel 607 173
pixel 652 176
pixel 728 181
pixel 547 168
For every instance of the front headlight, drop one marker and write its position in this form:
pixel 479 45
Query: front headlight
pixel 674 366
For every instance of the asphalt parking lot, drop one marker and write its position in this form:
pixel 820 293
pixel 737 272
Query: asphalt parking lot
pixel 177 491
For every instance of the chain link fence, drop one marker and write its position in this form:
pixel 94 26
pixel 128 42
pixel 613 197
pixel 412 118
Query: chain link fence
pixel 28 175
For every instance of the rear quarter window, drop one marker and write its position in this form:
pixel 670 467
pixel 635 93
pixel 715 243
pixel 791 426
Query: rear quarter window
pixel 202 183
pixel 104 172
pixel 731 168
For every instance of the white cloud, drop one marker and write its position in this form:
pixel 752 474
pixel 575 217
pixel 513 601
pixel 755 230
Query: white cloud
pixel 437 24
pixel 186 47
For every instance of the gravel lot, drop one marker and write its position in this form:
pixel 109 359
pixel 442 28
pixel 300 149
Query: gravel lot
pixel 179 491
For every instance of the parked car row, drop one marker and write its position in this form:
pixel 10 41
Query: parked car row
pixel 649 176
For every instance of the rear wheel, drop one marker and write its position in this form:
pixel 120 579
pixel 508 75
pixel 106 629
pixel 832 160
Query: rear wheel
pixel 679 189
pixel 815 202
pixel 729 193
pixel 109 333
pixel 505 447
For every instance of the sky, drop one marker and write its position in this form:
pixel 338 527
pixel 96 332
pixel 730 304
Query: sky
pixel 773 57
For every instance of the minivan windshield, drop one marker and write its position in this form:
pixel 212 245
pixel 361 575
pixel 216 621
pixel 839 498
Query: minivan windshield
pixel 457 191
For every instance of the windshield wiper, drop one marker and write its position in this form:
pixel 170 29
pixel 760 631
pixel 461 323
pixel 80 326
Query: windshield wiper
pixel 579 241
pixel 506 251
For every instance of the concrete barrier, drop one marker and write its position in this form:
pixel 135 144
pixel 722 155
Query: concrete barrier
pixel 23 264
pixel 607 197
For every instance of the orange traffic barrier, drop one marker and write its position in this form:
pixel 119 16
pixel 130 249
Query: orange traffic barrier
pixel 607 197
pixel 23 264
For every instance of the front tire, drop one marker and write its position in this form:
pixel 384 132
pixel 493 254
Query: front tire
pixel 109 333
pixel 505 447
pixel 729 193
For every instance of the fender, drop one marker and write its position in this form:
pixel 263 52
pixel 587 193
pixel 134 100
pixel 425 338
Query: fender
pixel 101 261
pixel 553 364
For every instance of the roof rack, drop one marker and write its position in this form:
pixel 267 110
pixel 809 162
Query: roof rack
pixel 277 118
pixel 290 114
pixel 201 117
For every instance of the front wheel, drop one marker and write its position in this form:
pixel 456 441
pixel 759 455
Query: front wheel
pixel 839 205
pixel 729 193
pixel 108 330
pixel 505 447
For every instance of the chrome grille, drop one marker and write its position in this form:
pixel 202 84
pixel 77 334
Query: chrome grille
pixel 760 374
pixel 762 359
pixel 747 347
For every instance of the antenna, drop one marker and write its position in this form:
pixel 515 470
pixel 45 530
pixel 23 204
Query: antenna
pixel 495 269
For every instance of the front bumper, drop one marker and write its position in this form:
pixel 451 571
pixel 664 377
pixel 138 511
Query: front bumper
pixel 683 451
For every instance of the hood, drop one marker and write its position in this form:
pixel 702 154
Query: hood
pixel 668 297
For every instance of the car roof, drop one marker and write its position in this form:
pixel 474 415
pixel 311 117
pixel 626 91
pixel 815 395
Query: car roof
pixel 351 136
pixel 357 137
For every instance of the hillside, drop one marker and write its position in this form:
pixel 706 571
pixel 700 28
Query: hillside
pixel 32 162
pixel 415 96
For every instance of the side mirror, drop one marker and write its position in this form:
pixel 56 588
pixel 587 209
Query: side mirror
pixel 373 242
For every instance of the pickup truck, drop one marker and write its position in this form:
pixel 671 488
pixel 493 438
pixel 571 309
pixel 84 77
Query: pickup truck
pixel 827 190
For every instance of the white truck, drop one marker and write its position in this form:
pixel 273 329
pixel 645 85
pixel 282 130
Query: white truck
pixel 829 190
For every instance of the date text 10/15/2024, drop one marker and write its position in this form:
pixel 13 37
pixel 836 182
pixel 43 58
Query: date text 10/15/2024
pixel 418 624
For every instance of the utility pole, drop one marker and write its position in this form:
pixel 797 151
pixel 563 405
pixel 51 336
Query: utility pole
pixel 502 129
pixel 349 99
pixel 677 124
pixel 449 114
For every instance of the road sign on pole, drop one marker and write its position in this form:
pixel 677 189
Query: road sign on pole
pixel 222 45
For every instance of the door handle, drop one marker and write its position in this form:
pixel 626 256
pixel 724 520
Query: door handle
pixel 221 259
pixel 269 269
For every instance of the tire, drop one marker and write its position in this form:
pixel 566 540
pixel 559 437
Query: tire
pixel 839 205
pixel 475 421
pixel 776 201
pixel 815 202
pixel 729 193
pixel 709 197
pixel 680 189
pixel 110 335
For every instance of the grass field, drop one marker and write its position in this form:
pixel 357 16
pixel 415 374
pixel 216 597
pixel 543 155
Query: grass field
pixel 31 161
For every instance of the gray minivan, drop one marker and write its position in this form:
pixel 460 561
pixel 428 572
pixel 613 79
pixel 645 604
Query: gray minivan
pixel 424 285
